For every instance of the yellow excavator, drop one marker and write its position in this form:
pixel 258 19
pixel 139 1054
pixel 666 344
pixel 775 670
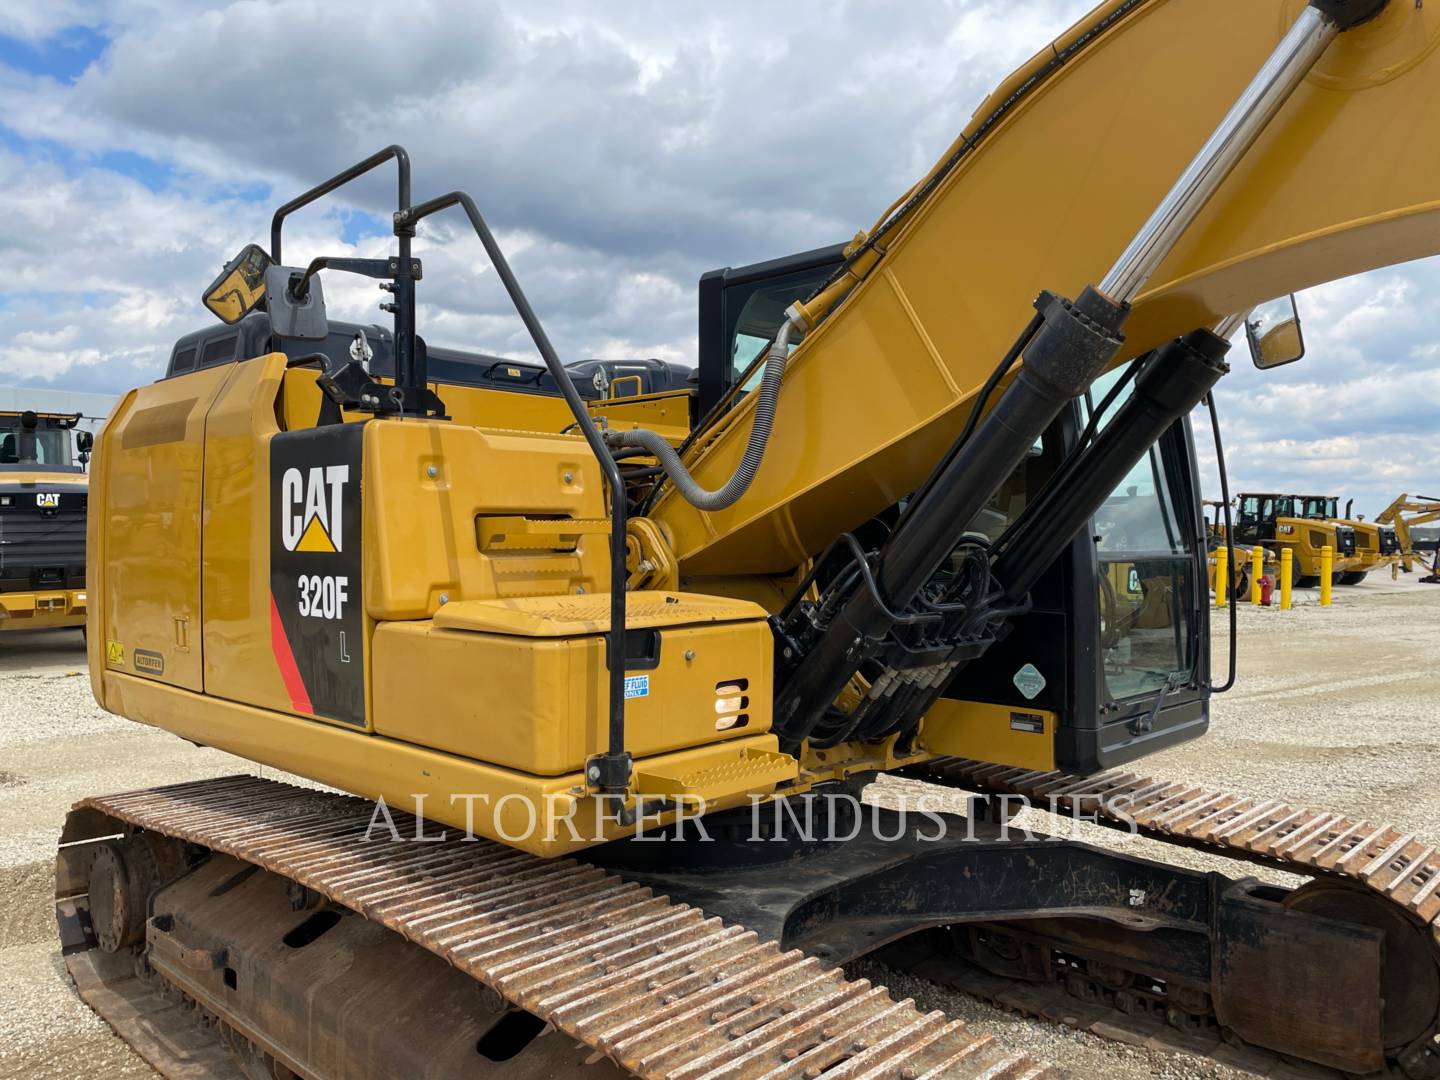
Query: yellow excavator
pixel 43 494
pixel 1404 514
pixel 603 698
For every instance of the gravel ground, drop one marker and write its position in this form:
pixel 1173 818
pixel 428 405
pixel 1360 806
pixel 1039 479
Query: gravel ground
pixel 1332 710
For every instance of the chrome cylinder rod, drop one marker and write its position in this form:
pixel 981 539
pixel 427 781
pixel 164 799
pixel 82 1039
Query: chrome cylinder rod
pixel 1256 107
pixel 1227 326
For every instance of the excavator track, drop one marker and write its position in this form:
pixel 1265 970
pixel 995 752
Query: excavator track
pixel 657 988
pixel 1384 861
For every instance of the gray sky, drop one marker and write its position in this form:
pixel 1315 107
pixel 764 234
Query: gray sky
pixel 620 150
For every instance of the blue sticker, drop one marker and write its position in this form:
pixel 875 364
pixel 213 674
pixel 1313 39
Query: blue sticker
pixel 1029 681
pixel 637 686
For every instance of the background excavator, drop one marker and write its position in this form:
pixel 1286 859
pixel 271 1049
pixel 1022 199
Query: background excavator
pixel 1404 514
pixel 885 534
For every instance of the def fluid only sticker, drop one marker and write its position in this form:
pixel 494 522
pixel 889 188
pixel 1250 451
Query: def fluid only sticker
pixel 1029 681
pixel 637 686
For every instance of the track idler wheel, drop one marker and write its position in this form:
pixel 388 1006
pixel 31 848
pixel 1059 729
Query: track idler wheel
pixel 123 874
pixel 1410 978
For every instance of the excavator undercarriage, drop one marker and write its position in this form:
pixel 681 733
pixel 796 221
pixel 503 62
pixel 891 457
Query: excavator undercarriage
pixel 278 918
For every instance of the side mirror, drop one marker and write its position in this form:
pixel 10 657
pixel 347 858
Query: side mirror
pixel 84 441
pixel 1273 331
pixel 240 288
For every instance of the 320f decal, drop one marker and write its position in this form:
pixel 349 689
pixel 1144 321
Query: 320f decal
pixel 316 621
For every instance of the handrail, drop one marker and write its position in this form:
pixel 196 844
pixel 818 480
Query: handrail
pixel 319 191
pixel 609 771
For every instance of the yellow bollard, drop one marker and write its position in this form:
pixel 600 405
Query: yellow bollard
pixel 1327 574
pixel 1287 566
pixel 1223 584
pixel 1394 571
pixel 1257 571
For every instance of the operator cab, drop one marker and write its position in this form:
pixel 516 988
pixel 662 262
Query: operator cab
pixel 1259 514
pixel 1123 615
pixel 1319 507
pixel 740 307
pixel 31 441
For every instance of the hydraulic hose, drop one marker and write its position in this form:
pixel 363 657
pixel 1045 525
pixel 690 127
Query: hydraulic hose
pixel 728 493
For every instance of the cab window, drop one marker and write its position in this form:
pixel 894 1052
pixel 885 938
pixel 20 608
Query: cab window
pixel 40 446
pixel 759 319
pixel 1146 535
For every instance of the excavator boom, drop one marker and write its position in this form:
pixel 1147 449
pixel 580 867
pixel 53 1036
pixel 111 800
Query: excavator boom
pixel 1055 174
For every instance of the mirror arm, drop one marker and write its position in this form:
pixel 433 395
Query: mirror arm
pixel 371 268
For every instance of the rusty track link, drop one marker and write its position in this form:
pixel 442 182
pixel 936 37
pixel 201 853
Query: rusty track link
pixel 1398 865
pixel 657 987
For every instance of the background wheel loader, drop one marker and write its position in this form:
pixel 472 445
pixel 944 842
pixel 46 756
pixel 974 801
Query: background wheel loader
pixel 1376 544
pixel 43 495
pixel 1278 521
pixel 524 640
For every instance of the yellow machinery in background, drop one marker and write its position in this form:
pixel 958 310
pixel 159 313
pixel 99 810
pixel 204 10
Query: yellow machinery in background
pixel 1404 514
pixel 43 495
pixel 1279 521
pixel 1241 571
pixel 879 537
pixel 1376 543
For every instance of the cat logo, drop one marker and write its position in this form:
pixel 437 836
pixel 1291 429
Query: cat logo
pixel 311 504
pixel 47 500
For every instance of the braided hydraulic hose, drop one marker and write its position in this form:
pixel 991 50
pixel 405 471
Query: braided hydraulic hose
pixel 728 493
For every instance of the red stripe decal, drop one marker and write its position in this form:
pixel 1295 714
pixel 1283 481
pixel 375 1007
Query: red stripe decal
pixel 285 658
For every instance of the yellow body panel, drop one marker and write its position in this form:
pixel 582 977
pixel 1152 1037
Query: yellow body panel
pixel 150 510
pixel 508 806
pixel 667 413
pixel 1367 547
pixel 1306 537
pixel 1050 197
pixel 456 521
pixel 1002 734
pixel 238 660
pixel 535 697
pixel 431 536
pixel 476 406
